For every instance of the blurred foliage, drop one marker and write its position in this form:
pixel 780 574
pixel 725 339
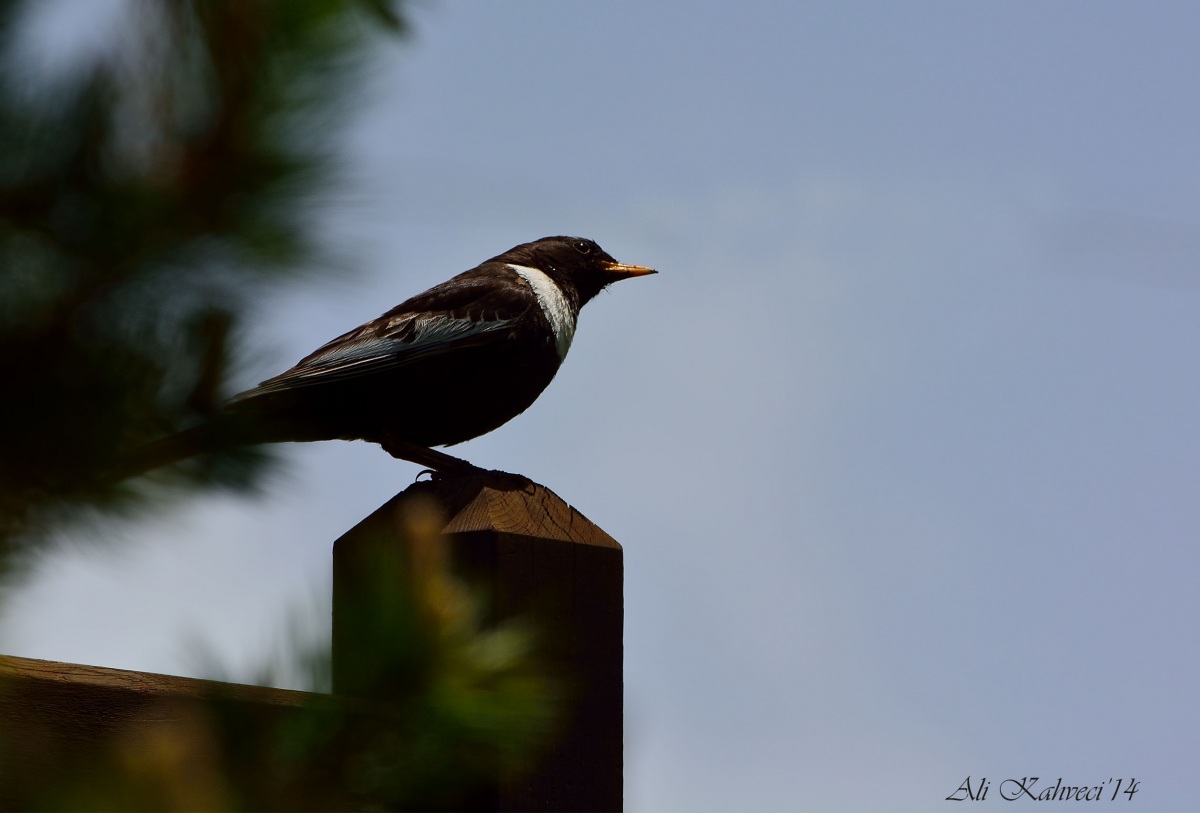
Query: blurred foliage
pixel 441 719
pixel 149 199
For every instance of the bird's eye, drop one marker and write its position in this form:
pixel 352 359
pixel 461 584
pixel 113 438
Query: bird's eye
pixel 583 247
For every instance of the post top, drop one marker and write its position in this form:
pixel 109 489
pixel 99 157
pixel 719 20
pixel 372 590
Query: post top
pixel 506 503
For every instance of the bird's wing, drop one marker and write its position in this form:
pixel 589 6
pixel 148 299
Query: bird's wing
pixel 453 316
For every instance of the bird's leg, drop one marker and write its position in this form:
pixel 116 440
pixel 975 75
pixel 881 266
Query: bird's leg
pixel 440 462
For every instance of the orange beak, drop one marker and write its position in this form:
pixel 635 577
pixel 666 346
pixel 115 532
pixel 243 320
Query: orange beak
pixel 621 270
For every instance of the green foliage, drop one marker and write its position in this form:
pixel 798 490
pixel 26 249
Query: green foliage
pixel 148 200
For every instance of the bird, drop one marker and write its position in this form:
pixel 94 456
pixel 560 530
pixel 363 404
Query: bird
pixel 445 366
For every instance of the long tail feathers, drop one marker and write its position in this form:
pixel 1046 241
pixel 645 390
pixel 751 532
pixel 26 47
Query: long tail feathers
pixel 216 436
pixel 167 451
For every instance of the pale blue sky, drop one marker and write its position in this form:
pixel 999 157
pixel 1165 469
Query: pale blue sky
pixel 902 443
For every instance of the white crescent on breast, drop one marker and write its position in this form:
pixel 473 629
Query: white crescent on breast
pixel 554 305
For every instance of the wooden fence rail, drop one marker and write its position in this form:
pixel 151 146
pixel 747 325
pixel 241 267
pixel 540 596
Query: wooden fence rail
pixel 527 553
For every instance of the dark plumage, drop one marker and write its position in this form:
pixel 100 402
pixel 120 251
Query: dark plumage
pixel 448 365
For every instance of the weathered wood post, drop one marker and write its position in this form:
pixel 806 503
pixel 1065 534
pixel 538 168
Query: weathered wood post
pixel 531 556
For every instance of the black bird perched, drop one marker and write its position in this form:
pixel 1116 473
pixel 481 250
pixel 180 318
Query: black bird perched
pixel 445 366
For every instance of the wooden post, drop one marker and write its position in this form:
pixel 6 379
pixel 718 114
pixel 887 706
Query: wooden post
pixel 531 556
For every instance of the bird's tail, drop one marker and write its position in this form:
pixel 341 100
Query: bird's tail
pixel 216 437
pixel 167 451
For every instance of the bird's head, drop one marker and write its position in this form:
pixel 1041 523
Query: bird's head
pixel 577 264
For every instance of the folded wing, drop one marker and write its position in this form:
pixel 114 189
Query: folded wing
pixel 456 315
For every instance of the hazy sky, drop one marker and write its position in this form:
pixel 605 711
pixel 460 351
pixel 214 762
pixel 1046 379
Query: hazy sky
pixel 902 443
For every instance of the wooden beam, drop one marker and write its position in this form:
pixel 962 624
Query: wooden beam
pixel 88 737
